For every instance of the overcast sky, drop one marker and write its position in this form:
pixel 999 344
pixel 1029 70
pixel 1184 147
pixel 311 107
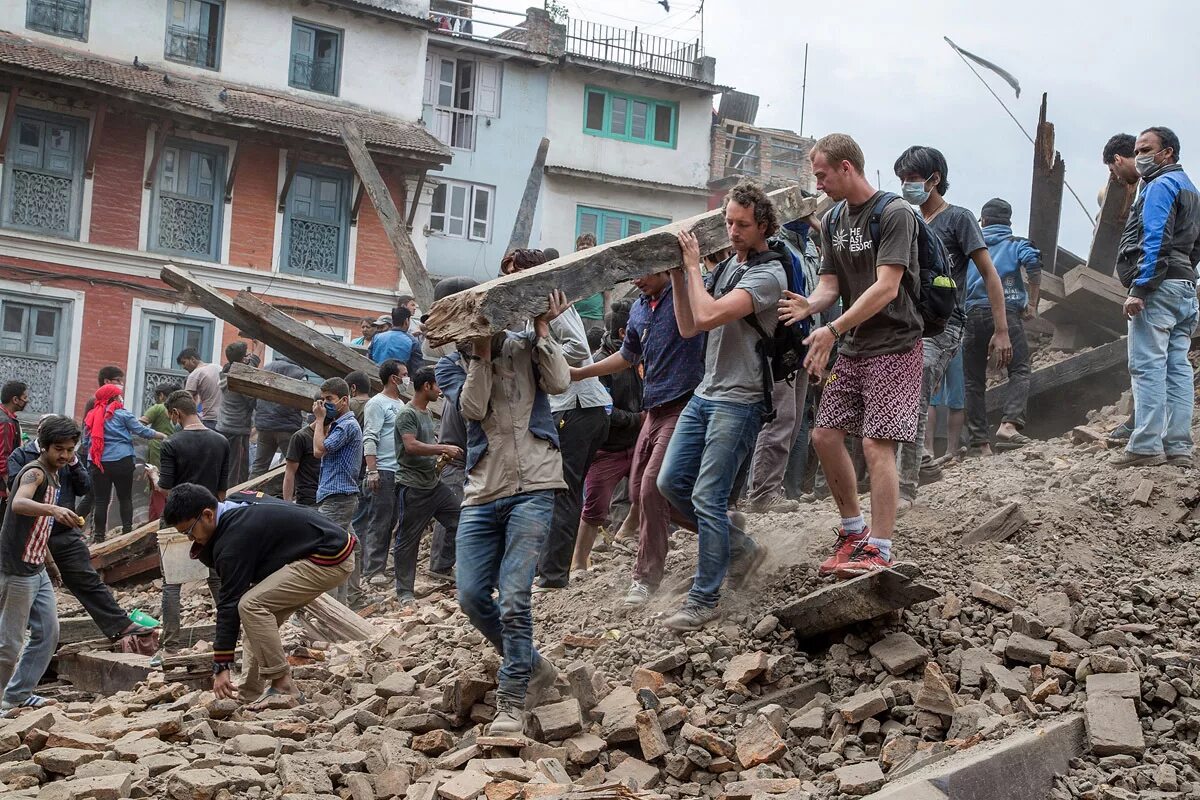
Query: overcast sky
pixel 881 72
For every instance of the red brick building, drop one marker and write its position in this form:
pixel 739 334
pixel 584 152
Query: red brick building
pixel 114 166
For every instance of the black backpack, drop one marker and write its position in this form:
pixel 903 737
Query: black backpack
pixel 783 351
pixel 937 297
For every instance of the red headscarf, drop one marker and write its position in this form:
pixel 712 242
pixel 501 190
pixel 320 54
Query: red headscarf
pixel 108 400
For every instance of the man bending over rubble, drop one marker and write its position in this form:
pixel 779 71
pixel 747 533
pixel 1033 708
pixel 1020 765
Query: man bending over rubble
pixel 273 558
pixel 513 468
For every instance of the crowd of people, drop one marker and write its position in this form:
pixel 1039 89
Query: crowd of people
pixel 684 399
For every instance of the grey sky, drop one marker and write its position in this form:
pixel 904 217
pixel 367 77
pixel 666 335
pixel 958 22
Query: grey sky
pixel 881 72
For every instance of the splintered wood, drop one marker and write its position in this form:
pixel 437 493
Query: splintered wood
pixel 499 303
pixel 998 526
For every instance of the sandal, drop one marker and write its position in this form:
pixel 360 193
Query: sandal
pixel 261 703
pixel 1014 442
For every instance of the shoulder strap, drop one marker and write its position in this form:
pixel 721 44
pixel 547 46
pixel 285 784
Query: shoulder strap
pixel 877 214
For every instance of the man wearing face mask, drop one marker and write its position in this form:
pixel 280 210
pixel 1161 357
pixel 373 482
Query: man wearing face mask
pixel 379 450
pixel 338 442
pixel 925 176
pixel 1156 262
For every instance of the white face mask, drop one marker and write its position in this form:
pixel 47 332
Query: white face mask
pixel 1145 163
pixel 406 382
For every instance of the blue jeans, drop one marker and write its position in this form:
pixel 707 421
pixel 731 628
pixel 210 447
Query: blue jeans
pixel 711 439
pixel 498 547
pixel 26 603
pixel 1163 397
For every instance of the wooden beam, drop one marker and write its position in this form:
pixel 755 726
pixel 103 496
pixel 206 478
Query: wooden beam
pixel 291 392
pixel 160 141
pixel 358 196
pixel 416 199
pixel 302 344
pixel 232 174
pixel 1066 372
pixel 1045 202
pixel 293 161
pixel 211 300
pixel 1090 300
pixel 389 216
pixel 511 299
pixel 1118 199
pixel 523 225
pixel 89 164
pixel 10 113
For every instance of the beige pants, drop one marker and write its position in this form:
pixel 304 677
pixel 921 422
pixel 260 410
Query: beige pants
pixel 268 605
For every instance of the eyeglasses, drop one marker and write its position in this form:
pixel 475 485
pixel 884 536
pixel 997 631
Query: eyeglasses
pixel 188 532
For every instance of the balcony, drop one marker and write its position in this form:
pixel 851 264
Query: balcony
pixel 188 47
pixel 631 48
pixel 60 17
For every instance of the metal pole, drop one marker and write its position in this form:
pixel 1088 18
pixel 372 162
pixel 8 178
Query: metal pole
pixel 803 88
pixel 701 27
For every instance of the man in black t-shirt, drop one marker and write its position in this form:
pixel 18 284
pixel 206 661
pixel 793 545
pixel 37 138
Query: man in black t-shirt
pixel 193 454
pixel 302 474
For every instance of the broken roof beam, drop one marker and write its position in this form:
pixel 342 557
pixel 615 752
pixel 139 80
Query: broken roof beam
pixel 1066 372
pixel 1118 199
pixel 512 299
pixel 211 300
pixel 1045 202
pixel 290 392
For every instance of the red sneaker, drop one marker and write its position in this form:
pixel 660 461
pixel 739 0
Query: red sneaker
pixel 865 558
pixel 846 544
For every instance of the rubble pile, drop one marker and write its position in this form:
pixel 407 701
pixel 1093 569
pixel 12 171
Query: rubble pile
pixel 1086 619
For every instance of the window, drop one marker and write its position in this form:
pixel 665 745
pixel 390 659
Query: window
pixel 316 58
pixel 163 337
pixel 60 17
pixel 186 218
pixel 608 226
pixel 43 180
pixel 32 335
pixel 316 223
pixel 194 32
pixel 462 210
pixel 634 119
pixel 460 91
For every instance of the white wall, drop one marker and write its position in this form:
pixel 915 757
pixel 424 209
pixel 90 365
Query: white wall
pixel 685 165
pixel 381 58
pixel 561 195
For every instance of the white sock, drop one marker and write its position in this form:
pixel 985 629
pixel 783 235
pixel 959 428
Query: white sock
pixel 854 526
pixel 884 545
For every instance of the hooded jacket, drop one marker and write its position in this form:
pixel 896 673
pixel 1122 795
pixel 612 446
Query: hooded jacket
pixel 1009 254
pixel 1162 237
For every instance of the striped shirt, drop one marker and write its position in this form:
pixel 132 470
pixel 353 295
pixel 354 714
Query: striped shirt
pixel 24 539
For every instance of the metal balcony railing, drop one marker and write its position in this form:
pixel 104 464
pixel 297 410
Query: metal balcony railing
pixel 631 48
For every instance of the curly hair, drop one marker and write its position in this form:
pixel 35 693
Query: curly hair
pixel 751 195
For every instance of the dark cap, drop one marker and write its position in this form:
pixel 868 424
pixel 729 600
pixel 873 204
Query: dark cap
pixel 997 212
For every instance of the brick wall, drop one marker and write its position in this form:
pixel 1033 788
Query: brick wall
pixel 375 262
pixel 117 182
pixel 255 199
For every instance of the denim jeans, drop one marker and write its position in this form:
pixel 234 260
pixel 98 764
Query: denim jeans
pixel 26 603
pixel 797 466
pixel 382 523
pixel 710 438
pixel 938 351
pixel 1163 394
pixel 975 360
pixel 498 546
pixel 340 508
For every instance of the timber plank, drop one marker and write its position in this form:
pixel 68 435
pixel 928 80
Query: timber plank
pixel 1077 367
pixel 1045 200
pixel 291 392
pixel 856 600
pixel 210 299
pixel 1118 199
pixel 523 225
pixel 997 526
pixel 303 345
pixel 512 299
pixel 389 216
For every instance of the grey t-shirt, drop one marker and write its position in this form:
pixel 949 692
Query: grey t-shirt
pixel 960 232
pixel 418 472
pixel 732 364
pixel 205 381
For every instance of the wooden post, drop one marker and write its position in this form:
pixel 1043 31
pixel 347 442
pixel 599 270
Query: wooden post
pixel 164 130
pixel 232 174
pixel 1045 202
pixel 523 224
pixel 509 299
pixel 89 164
pixel 1118 198
pixel 389 215
pixel 10 113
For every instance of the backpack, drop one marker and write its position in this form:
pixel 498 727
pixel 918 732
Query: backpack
pixel 782 352
pixel 937 294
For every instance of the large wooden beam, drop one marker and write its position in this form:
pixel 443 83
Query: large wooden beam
pixel 1118 199
pixel 389 216
pixel 523 225
pixel 208 298
pixel 1064 373
pixel 302 344
pixel 510 299
pixel 1091 301
pixel 272 386
pixel 1045 202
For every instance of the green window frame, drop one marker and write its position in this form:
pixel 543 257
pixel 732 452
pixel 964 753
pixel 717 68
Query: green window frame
pixel 609 226
pixel 629 117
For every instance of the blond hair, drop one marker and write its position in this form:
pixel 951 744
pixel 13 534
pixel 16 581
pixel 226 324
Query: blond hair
pixel 839 147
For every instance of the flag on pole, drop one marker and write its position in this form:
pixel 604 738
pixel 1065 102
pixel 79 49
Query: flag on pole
pixel 983 62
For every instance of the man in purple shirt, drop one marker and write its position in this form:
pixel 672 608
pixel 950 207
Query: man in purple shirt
pixel 673 368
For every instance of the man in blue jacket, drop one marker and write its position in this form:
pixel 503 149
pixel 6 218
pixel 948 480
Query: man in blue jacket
pixel 1010 254
pixel 1156 262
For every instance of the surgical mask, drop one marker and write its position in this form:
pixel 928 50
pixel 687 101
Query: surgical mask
pixel 1145 163
pixel 914 192
pixel 406 382
pixel 331 411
